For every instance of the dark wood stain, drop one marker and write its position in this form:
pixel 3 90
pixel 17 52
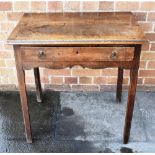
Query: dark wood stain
pixel 93 40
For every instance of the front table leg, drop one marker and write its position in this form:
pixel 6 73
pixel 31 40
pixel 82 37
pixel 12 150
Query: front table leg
pixel 130 104
pixel 23 94
pixel 131 93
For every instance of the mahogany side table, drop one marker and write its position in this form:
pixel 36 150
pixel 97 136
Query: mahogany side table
pixel 93 40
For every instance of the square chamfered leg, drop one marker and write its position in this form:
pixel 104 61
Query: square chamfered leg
pixel 23 94
pixel 119 85
pixel 131 93
pixel 38 85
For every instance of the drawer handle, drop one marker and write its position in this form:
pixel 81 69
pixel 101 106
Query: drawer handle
pixel 41 54
pixel 113 55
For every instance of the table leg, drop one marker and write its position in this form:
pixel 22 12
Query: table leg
pixel 119 85
pixel 38 85
pixel 131 93
pixel 23 95
pixel 130 104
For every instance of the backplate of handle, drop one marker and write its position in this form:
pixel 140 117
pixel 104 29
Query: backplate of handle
pixel 41 54
pixel 113 55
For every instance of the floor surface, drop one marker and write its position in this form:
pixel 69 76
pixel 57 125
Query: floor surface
pixel 77 122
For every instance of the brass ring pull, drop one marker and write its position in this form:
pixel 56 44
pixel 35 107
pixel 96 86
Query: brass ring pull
pixel 113 55
pixel 41 54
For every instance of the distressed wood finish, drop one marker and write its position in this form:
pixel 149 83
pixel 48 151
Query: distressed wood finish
pixel 77 54
pixel 77 28
pixel 93 40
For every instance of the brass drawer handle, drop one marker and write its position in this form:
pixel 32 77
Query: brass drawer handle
pixel 113 55
pixel 41 54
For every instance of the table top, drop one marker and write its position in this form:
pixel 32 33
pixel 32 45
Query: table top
pixel 77 28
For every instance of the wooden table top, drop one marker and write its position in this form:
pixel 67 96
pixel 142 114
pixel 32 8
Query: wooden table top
pixel 77 28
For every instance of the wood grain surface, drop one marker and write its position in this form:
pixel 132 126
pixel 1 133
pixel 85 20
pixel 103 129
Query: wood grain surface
pixel 92 40
pixel 88 54
pixel 77 28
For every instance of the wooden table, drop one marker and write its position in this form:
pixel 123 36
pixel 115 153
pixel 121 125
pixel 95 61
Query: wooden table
pixel 93 40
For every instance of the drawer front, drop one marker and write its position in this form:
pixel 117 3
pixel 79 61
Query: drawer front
pixel 77 54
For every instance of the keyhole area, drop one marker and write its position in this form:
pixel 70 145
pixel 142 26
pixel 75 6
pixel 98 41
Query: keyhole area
pixel 77 52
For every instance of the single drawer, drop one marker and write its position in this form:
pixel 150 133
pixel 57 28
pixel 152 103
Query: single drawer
pixel 77 53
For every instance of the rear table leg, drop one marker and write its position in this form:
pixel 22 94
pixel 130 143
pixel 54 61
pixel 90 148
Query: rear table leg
pixel 38 85
pixel 119 85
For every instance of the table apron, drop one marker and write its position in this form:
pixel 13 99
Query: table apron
pixel 92 65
